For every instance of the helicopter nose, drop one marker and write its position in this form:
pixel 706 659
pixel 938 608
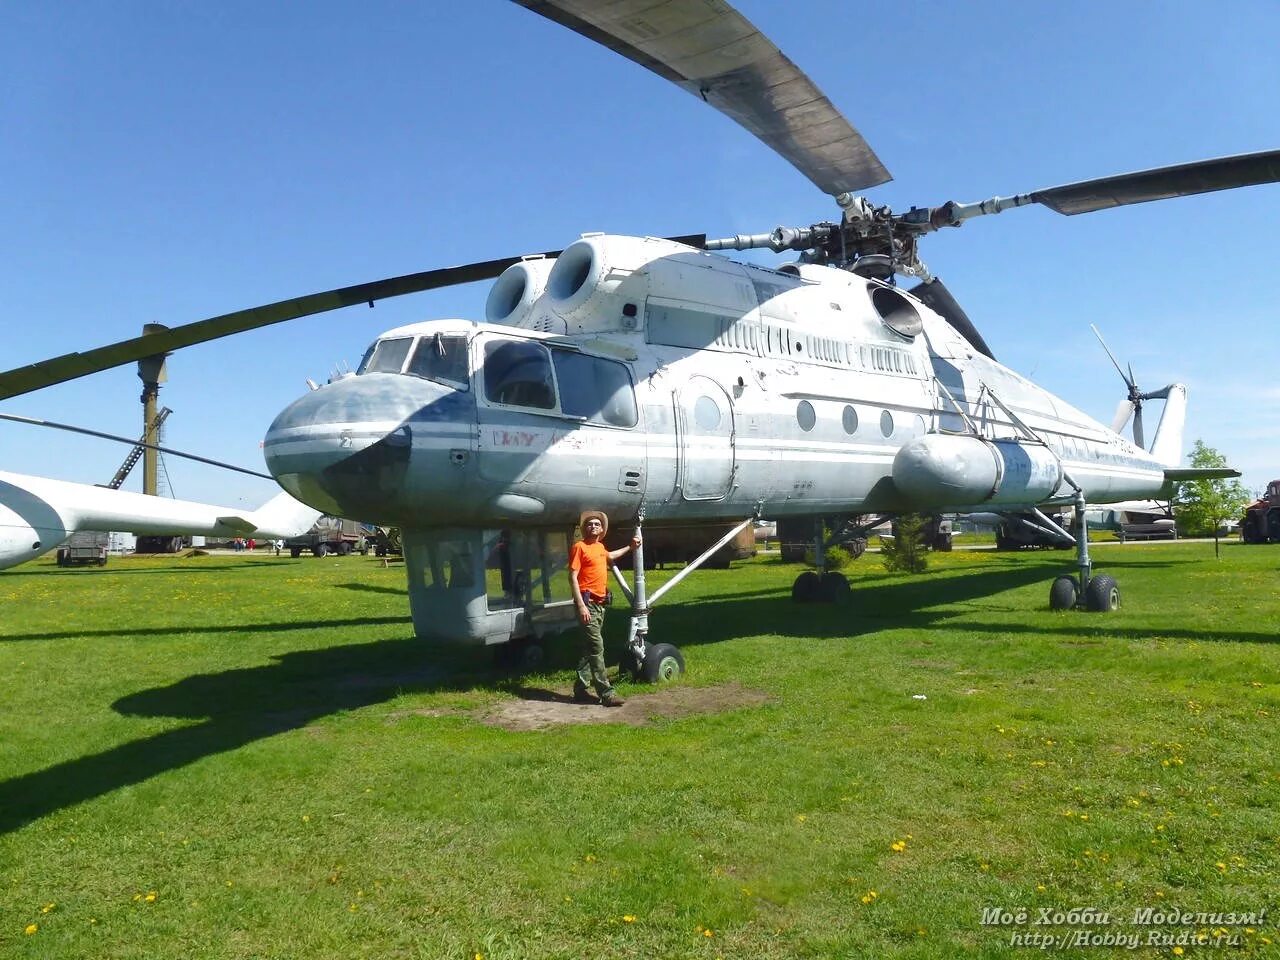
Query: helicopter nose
pixel 346 447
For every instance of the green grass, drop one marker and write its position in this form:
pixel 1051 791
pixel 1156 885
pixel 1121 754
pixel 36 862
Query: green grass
pixel 262 745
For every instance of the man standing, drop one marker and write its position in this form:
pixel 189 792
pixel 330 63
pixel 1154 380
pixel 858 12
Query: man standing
pixel 589 580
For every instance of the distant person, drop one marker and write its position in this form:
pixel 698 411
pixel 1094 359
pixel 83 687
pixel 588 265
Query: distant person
pixel 589 580
pixel 279 545
pixel 252 543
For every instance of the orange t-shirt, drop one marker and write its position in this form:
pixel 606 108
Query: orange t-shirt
pixel 589 562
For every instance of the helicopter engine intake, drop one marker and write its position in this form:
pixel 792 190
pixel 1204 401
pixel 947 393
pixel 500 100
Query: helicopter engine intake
pixel 513 295
pixel 946 470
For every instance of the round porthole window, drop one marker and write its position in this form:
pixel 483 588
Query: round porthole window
pixel 805 415
pixel 706 413
pixel 850 420
pixel 886 423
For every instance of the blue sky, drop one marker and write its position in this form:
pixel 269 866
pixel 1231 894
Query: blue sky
pixel 170 162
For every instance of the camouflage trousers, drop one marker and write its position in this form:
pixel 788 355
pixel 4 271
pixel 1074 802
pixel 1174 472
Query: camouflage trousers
pixel 591 669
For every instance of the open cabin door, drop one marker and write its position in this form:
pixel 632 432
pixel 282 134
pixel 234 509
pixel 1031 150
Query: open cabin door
pixel 704 419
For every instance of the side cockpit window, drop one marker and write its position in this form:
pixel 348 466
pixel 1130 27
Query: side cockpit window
pixel 386 356
pixel 595 389
pixel 442 358
pixel 518 373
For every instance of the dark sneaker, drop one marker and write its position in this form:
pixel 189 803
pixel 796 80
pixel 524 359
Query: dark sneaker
pixel 611 699
pixel 581 694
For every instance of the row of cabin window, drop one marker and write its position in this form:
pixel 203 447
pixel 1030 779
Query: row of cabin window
pixel 517 373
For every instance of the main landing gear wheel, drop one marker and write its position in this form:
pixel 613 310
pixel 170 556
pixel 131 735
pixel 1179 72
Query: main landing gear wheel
pixel 807 588
pixel 833 588
pixel 1102 595
pixel 662 662
pixel 1064 594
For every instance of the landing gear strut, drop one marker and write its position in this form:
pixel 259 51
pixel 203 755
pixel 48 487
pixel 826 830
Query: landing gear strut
pixel 656 662
pixel 1099 593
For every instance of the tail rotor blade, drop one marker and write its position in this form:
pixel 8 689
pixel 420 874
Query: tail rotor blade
pixel 1123 412
pixel 1120 370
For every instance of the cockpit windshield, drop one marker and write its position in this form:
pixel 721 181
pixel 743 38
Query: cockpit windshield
pixel 441 357
pixel 386 356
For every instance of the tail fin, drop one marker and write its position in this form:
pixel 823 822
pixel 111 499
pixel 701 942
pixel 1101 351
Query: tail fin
pixel 1167 446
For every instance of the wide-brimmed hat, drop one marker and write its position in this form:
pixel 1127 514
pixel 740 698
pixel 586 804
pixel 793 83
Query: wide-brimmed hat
pixel 597 514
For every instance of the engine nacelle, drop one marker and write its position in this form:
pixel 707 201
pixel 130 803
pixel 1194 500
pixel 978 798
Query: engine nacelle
pixel 517 289
pixel 943 470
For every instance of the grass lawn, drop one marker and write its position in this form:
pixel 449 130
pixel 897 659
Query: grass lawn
pixel 251 757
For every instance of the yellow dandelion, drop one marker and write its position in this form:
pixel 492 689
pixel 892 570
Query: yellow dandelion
pixel 800 818
pixel 984 867
pixel 31 928
pixel 629 918
pixel 1084 816
pixel 137 897
pixel 150 897
pixel 708 933
pixel 228 883
pixel 306 818
pixel 568 899
pixel 1222 867
pixel 478 956
pixel 898 846
pixel 1040 888
pixel 1177 951
pixel 590 858
pixel 47 907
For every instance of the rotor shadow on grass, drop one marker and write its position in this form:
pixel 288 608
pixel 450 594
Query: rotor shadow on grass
pixel 238 707
pixel 172 629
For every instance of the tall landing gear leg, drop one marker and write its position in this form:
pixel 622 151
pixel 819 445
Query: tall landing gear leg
pixel 1100 593
pixel 820 586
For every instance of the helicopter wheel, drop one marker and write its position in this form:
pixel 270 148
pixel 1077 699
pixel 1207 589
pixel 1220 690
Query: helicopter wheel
pixel 807 588
pixel 522 656
pixel 629 666
pixel 1102 595
pixel 1064 594
pixel 833 588
pixel 662 662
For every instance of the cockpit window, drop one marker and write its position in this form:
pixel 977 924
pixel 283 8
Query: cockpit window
pixel 595 389
pixel 441 358
pixel 387 356
pixel 518 373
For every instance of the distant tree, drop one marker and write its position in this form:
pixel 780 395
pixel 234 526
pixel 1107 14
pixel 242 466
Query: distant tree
pixel 1203 505
pixel 906 551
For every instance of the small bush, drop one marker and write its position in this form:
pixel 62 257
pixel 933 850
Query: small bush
pixel 905 552
pixel 837 558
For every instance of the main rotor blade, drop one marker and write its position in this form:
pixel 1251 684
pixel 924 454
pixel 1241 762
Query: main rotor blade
pixel 72 365
pixel 133 443
pixel 934 293
pixel 715 53
pixel 1162 183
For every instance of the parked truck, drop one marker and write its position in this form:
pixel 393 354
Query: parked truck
pixel 85 547
pixel 330 535
pixel 1261 521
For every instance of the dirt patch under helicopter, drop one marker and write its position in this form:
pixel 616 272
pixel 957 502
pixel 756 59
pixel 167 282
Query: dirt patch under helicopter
pixel 540 709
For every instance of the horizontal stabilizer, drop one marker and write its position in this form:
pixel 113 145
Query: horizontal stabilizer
pixel 1179 474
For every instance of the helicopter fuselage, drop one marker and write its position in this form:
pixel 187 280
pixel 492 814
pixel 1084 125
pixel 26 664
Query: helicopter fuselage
pixel 697 388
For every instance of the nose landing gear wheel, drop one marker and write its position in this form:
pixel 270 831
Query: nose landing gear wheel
pixel 662 662
pixel 1064 594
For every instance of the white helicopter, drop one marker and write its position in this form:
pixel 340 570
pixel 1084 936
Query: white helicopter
pixel 663 383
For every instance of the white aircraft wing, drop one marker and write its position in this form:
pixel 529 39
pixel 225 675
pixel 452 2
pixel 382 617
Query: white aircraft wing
pixel 37 514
